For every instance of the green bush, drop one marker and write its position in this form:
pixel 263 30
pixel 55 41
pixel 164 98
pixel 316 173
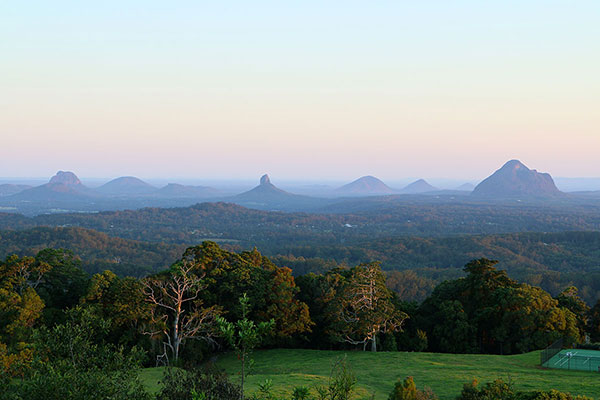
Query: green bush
pixel 179 384
pixel 407 390
pixel 497 390
pixel 301 393
pixel 500 390
pixel 341 382
pixel 551 395
pixel 74 384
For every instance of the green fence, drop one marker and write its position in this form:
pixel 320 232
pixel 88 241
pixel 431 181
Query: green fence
pixel 575 359
pixel 550 352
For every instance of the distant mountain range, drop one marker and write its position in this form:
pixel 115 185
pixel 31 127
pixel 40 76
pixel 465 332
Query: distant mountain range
pixel 65 192
pixel 514 179
pixel 365 186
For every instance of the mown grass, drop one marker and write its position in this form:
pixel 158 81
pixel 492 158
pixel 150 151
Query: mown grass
pixel 377 372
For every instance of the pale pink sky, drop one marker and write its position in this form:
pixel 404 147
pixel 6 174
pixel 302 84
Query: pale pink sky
pixel 303 92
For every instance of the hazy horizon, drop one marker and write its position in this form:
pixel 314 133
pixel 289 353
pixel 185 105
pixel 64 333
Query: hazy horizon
pixel 235 183
pixel 299 91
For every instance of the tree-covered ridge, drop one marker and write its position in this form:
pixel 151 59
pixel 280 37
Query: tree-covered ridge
pixel 97 251
pixel 230 222
pixel 553 261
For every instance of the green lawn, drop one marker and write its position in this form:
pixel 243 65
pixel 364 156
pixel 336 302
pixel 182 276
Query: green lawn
pixel 377 373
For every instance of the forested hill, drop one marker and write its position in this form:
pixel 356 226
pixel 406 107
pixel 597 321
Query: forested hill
pixel 550 260
pixel 97 250
pixel 271 230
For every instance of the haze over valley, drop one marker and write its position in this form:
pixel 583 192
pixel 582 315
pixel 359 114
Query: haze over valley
pixel 65 192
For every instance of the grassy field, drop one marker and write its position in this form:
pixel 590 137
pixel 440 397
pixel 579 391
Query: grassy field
pixel 377 373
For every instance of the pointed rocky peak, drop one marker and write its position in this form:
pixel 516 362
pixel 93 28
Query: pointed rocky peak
pixel 65 178
pixel 265 180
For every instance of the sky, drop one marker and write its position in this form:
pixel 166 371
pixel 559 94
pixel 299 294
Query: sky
pixel 303 90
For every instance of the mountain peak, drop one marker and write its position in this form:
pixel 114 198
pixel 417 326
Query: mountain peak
pixel 515 179
pixel 513 165
pixel 65 178
pixel 419 186
pixel 126 185
pixel 365 185
pixel 265 180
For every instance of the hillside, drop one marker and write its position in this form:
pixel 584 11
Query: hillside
pixel 229 221
pixel 377 373
pixel 97 250
pixel 550 260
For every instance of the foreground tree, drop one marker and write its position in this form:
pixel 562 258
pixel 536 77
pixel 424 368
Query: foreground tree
pixel 62 284
pixel 177 313
pixel 244 335
pixel 20 309
pixel 488 312
pixel 365 307
pixel 569 299
pixel 73 361
pixel 593 326
pixel 272 289
pixel 123 302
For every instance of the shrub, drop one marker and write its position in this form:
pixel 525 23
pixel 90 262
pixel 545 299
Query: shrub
pixel 341 382
pixel 74 384
pixel 407 390
pixel 301 393
pixel 496 390
pixel 195 384
pixel 499 390
pixel 551 395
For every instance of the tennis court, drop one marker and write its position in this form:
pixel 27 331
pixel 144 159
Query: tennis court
pixel 575 359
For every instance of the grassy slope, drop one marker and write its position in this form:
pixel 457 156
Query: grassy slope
pixel 376 373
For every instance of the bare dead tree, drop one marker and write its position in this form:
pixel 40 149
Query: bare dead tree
pixel 29 272
pixel 366 308
pixel 177 313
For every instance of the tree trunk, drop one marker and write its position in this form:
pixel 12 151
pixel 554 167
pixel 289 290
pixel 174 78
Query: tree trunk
pixel 243 373
pixel 374 344
pixel 176 339
pixel 176 349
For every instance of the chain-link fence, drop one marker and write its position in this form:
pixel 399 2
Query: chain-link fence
pixel 574 359
pixel 550 352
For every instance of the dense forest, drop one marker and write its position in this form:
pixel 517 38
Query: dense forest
pixel 97 251
pixel 189 225
pixel 414 265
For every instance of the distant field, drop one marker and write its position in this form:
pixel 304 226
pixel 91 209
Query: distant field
pixel 377 373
